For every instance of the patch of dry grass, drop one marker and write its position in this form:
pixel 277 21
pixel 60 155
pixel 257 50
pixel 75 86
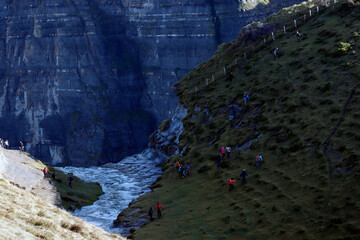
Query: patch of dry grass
pixel 25 216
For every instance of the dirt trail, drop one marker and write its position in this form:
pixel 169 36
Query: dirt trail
pixel 326 141
pixel 25 172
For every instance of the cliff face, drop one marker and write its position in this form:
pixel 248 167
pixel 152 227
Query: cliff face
pixel 71 83
pixel 85 82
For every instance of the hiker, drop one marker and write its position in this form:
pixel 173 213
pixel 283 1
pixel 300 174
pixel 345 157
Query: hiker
pixel 158 209
pixel 183 175
pixel 243 175
pixel 276 53
pixel 177 164
pixel 222 153
pixel 231 120
pixel 70 179
pixel 6 144
pixel 246 98
pixel 259 159
pixel 53 176
pixel 179 170
pixel 150 213
pixel 21 146
pixel 188 168
pixel 298 35
pixel 228 151
pixel 231 183
pixel 45 172
pixel 218 160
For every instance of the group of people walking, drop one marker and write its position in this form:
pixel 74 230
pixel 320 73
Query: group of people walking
pixel 182 170
pixel 224 151
pixel 276 50
pixel 243 173
pixel 5 144
pixel 158 210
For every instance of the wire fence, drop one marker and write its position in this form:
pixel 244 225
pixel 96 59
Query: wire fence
pixel 247 52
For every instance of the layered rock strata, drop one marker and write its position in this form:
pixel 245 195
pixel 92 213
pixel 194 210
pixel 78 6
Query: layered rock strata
pixel 86 82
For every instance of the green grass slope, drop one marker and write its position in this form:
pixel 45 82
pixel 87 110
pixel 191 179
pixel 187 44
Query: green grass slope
pixel 304 109
pixel 81 194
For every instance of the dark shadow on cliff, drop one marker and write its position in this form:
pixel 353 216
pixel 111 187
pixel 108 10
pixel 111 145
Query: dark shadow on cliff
pixel 127 123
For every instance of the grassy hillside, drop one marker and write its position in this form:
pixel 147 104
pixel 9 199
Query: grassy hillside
pixel 81 194
pixel 304 111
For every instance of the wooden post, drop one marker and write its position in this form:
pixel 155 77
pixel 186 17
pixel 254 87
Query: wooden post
pixel 272 34
pixel 317 9
pixel 310 12
pixel 295 23
pixel 284 30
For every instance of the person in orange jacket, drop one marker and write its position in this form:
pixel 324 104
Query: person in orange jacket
pixel 231 183
pixel 158 209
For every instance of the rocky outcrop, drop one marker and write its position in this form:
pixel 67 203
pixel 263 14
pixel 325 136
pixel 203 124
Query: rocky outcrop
pixel 71 84
pixel 85 82
pixel 26 173
pixel 166 138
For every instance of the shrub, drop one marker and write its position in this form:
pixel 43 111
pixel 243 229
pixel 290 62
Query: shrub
pixel 324 87
pixel 41 213
pixel 343 47
pixel 76 228
pixel 64 224
pixel 323 50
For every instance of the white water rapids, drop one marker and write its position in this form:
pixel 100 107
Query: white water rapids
pixel 121 182
pixel 126 180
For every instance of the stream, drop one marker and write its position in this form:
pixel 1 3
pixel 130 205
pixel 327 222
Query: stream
pixel 121 182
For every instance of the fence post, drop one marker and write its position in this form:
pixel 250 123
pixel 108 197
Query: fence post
pixel 295 23
pixel 272 34
pixel 284 30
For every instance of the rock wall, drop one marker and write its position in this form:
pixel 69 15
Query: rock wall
pixel 85 82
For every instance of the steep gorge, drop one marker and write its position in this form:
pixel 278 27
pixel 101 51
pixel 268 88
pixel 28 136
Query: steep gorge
pixel 85 82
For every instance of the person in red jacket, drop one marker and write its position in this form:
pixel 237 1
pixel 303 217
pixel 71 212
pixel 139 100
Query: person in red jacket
pixel 45 172
pixel 158 209
pixel 231 183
